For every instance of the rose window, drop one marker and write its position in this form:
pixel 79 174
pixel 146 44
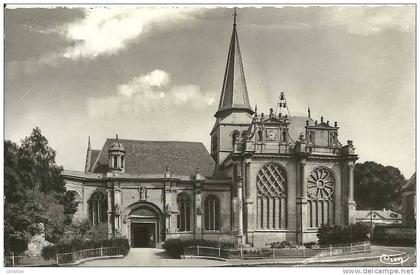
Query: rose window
pixel 321 184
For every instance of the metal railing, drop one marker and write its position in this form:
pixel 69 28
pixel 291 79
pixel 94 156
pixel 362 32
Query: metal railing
pixel 62 258
pixel 16 260
pixel 254 253
pixel 72 257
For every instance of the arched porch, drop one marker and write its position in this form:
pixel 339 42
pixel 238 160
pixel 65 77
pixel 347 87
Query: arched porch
pixel 144 224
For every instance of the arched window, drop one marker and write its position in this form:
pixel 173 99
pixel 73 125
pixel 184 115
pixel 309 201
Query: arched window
pixel 320 188
pixel 260 136
pixel 243 137
pixel 272 197
pixel 235 138
pixel 184 213
pixel 212 213
pixel 284 136
pixel 98 206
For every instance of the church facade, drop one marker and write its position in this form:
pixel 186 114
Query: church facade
pixel 269 177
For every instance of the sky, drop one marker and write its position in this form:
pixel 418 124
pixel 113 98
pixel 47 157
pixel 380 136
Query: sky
pixel 156 73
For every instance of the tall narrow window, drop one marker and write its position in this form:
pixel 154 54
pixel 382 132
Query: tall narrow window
pixel 115 161
pixel 122 161
pixel 260 136
pixel 320 187
pixel 184 213
pixel 98 207
pixel 212 213
pixel 272 197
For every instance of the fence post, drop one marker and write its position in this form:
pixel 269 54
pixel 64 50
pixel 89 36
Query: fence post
pixel 241 252
pixel 220 252
pixel 351 247
pixel 198 250
pixel 102 251
pixel 56 258
pixel 330 250
pixel 13 258
pixel 274 256
pixel 303 250
pixel 364 246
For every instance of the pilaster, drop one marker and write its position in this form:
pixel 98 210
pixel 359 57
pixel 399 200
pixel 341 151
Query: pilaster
pixel 198 211
pixel 301 201
pixel 351 208
pixel 249 220
pixel 110 212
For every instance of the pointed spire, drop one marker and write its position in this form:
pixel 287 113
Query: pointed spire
pixel 116 137
pixel 309 112
pixel 88 157
pixel 234 95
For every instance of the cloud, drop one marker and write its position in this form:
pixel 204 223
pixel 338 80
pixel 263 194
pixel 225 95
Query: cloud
pixel 106 31
pixel 367 20
pixel 151 91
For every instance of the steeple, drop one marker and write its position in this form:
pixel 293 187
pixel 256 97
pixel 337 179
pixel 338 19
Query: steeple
pixel 88 157
pixel 234 95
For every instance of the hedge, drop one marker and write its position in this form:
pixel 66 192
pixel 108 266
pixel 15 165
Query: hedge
pixel 50 252
pixel 176 247
pixel 335 234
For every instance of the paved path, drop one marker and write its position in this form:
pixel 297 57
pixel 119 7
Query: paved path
pixel 151 257
pixel 158 257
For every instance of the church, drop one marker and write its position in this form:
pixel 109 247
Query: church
pixel 268 177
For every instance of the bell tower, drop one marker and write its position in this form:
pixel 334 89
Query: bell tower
pixel 116 155
pixel 234 114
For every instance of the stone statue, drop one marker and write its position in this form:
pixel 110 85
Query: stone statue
pixel 142 193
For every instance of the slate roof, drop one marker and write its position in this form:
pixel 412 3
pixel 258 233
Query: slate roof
pixel 93 157
pixel 151 157
pixel 234 91
pixel 297 126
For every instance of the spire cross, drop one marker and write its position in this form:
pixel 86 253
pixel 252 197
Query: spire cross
pixel 234 16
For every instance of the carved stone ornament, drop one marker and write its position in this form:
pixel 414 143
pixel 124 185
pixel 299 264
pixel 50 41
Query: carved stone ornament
pixel 167 210
pixel 272 134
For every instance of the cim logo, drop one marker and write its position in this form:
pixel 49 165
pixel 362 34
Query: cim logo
pixel 393 260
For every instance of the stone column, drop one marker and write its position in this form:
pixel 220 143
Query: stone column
pixel 168 207
pixel 110 213
pixel 350 185
pixel 301 201
pixel 239 201
pixel 249 217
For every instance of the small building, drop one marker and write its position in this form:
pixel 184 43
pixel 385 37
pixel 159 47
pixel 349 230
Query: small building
pixel 409 201
pixel 378 216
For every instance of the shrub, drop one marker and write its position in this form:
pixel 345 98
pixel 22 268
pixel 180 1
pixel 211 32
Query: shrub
pixel 334 234
pixel 176 247
pixel 50 252
pixel 282 244
pixel 310 244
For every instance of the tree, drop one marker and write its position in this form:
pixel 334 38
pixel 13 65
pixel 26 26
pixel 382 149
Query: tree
pixel 34 193
pixel 377 186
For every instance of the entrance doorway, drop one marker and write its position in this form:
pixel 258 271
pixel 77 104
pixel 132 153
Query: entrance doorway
pixel 145 226
pixel 143 235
